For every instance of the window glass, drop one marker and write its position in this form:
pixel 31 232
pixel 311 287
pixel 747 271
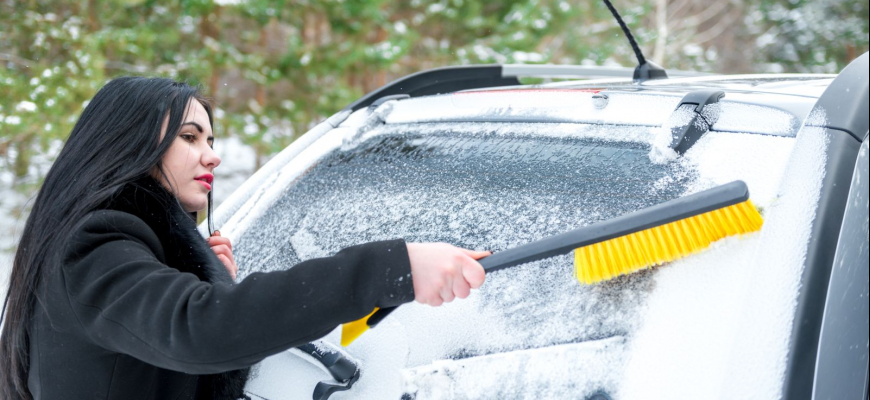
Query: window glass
pixel 494 186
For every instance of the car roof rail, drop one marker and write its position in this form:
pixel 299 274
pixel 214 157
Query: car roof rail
pixel 439 80
pixel 466 77
pixel 580 71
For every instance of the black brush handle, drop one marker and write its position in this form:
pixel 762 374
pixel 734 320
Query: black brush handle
pixel 657 215
pixel 210 211
pixel 379 316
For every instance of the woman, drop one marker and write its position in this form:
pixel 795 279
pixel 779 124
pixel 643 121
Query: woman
pixel 114 295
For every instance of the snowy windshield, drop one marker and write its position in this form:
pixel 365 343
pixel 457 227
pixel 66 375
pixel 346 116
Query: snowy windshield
pixel 497 185
pixel 477 192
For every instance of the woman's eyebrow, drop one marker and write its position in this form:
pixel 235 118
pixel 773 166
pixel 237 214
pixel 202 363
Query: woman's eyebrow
pixel 198 126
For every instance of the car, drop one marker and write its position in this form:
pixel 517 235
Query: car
pixel 469 156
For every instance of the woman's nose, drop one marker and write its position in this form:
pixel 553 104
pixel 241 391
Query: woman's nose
pixel 211 159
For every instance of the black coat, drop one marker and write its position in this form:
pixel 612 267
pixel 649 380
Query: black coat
pixel 141 308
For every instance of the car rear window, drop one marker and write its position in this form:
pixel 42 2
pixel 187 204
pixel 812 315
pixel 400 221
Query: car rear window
pixel 494 186
pixel 478 192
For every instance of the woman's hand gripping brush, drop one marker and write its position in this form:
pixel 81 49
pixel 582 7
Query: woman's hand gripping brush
pixel 442 272
pixel 224 251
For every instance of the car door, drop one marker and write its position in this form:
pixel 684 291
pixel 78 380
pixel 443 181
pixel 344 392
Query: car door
pixel 842 363
pixel 815 367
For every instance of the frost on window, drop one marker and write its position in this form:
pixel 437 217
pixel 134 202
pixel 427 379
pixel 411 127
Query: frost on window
pixel 533 331
pixel 485 191
pixel 475 191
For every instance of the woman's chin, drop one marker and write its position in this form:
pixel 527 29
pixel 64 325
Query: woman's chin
pixel 194 205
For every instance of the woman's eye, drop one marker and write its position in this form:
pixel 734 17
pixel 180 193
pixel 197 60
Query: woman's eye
pixel 188 137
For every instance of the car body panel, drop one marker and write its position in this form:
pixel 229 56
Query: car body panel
pixel 840 114
pixel 843 342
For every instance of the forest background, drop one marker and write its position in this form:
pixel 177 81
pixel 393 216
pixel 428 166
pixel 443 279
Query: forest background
pixel 276 68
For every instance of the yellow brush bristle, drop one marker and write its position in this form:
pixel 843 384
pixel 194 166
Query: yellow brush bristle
pixel 643 249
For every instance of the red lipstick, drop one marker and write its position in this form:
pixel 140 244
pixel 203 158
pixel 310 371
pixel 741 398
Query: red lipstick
pixel 206 180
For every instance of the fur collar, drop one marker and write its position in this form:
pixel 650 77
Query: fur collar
pixel 187 251
pixel 183 247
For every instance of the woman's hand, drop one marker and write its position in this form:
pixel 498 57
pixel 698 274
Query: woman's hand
pixel 442 272
pixel 224 250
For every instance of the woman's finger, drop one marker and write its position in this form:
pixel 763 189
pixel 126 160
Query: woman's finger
pixel 221 249
pixel 231 256
pixel 217 240
pixel 473 272
pixel 226 251
pixel 446 291
pixel 226 262
pixel 461 288
pixel 231 267
pixel 477 255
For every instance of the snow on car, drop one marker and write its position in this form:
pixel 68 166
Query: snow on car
pixel 496 167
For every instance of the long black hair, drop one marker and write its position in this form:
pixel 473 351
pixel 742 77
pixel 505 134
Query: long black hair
pixel 115 142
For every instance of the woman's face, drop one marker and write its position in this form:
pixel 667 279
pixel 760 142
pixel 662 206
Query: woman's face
pixel 190 161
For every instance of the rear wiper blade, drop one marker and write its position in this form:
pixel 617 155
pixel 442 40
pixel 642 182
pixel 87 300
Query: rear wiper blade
pixel 343 370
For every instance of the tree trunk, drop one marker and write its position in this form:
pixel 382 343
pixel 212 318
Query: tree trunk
pixel 93 15
pixel 22 156
pixel 662 30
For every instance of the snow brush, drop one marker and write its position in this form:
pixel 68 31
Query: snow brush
pixel 652 236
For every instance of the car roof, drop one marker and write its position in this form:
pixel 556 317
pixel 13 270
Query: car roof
pixel 808 85
pixel 763 104
pixel 802 90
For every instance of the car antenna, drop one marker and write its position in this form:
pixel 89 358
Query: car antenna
pixel 645 70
